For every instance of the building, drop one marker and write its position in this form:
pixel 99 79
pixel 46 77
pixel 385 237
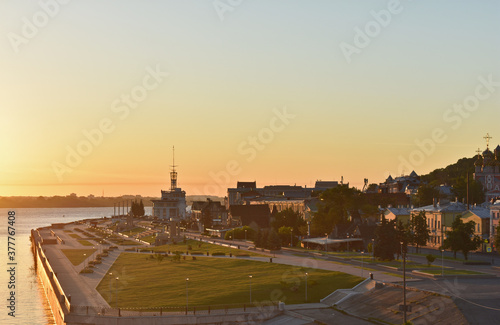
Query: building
pixel 399 214
pixel 404 184
pixel 172 205
pixel 256 216
pixel 248 192
pixel 494 218
pixel 440 218
pixel 215 209
pixel 487 170
pixel 481 217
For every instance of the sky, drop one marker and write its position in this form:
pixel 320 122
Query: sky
pixel 94 94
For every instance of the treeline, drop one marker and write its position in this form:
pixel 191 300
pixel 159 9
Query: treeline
pixel 63 201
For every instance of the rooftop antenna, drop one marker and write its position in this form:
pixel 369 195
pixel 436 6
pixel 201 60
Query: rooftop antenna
pixel 487 138
pixel 173 173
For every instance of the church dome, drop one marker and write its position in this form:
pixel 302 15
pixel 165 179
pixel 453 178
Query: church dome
pixel 487 153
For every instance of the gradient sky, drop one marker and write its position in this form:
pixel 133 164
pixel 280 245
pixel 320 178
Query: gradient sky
pixel 227 78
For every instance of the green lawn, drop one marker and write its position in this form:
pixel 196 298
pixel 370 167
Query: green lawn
pixel 438 258
pixel 76 256
pixel 134 231
pixel 148 239
pixel 452 272
pixel 202 247
pixel 144 282
pixel 76 236
pixel 85 243
pixel 67 230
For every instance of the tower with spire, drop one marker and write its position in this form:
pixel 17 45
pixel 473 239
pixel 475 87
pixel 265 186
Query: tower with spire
pixel 172 205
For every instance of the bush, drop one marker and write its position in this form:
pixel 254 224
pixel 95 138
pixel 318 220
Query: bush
pixel 430 258
pixel 196 253
pixel 218 254
pixel 190 247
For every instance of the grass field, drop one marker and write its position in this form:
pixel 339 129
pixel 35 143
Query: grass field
pixel 76 256
pixel 134 231
pixel 452 272
pixel 148 239
pixel 145 282
pixel 202 247
pixel 449 258
pixel 76 236
pixel 85 243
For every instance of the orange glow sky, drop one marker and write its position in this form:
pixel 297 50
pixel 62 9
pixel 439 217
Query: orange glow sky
pixel 227 79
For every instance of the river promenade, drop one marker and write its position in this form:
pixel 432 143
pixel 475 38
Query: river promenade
pixel 80 288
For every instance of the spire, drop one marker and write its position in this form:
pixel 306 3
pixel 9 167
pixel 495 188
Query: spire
pixel 173 173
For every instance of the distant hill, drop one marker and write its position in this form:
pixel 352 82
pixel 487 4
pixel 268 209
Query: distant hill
pixel 74 201
pixel 451 173
pixel 454 175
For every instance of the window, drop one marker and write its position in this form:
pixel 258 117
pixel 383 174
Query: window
pixel 439 224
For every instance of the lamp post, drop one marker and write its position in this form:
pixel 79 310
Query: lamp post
pixel 404 282
pixel 306 286
pixel 245 235
pixel 442 265
pixel 373 249
pixel 116 291
pixel 326 243
pixel 84 260
pixel 291 238
pixel 250 277
pixel 187 294
pixel 362 262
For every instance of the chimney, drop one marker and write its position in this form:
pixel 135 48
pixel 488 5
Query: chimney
pixel 434 202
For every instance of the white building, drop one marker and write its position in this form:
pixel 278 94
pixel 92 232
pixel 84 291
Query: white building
pixel 172 205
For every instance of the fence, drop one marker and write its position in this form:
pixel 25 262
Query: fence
pixel 166 311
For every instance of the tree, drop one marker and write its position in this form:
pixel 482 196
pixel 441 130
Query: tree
pixel 462 238
pixel 403 236
pixel 137 209
pixel 476 192
pixel 273 241
pixel 426 195
pixel 285 234
pixel 289 218
pixel 386 241
pixel 335 207
pixel 430 259
pixel 419 232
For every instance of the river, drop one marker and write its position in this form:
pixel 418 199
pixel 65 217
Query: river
pixel 31 305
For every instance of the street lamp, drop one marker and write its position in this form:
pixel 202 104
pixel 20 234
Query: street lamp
pixel 245 235
pixel 116 291
pixel 84 260
pixel 291 238
pixel 404 282
pixel 306 286
pixel 250 277
pixel 326 243
pixel 362 262
pixel 442 265
pixel 187 294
